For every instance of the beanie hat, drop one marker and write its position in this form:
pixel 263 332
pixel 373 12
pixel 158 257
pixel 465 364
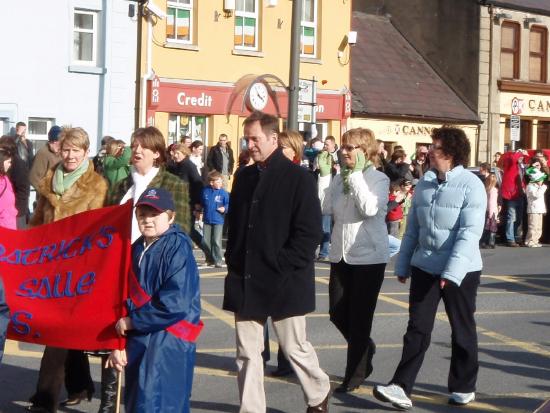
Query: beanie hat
pixel 535 175
pixel 53 134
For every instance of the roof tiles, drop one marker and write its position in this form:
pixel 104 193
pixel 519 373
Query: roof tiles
pixel 389 78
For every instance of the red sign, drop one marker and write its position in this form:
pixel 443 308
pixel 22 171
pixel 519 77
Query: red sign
pixel 213 100
pixel 65 281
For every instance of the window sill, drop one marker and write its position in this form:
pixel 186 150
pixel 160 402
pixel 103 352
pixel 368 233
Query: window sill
pixel 507 85
pixel 91 70
pixel 311 60
pixel 182 46
pixel 250 53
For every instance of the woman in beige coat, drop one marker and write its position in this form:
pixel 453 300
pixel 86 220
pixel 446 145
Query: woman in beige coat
pixel 72 186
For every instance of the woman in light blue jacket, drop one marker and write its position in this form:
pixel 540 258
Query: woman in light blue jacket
pixel 440 251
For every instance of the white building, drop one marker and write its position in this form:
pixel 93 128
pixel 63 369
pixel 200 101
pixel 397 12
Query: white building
pixel 68 62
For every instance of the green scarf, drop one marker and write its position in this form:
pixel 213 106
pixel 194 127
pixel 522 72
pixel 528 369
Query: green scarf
pixel 63 181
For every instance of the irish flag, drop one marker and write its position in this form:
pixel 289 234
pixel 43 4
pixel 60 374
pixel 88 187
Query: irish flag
pixel 177 23
pixel 245 31
pixel 308 40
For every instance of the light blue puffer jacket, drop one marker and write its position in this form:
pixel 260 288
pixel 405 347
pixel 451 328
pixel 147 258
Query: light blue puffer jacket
pixel 444 226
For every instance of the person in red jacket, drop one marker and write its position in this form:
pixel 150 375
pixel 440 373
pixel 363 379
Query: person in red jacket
pixel 513 194
pixel 395 210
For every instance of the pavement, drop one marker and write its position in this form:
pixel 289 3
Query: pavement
pixel 513 328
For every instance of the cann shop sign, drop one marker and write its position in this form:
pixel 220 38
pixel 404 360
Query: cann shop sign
pixel 399 129
pixel 536 106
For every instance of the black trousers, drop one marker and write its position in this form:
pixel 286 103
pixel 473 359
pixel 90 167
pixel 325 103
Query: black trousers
pixel 60 365
pixel 353 293
pixel 460 306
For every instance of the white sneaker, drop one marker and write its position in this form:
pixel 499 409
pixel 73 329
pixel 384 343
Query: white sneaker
pixel 461 399
pixel 393 394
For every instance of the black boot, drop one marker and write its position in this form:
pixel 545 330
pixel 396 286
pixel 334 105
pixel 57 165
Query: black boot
pixel 492 240
pixel 109 385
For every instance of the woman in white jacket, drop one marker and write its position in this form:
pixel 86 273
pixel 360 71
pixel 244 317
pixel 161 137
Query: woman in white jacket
pixel 357 200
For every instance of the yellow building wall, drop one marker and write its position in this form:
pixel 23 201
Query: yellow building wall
pixel 410 134
pixel 215 59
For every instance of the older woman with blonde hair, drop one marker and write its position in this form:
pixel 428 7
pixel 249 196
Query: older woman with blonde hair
pixel 357 200
pixel 292 144
pixel 70 187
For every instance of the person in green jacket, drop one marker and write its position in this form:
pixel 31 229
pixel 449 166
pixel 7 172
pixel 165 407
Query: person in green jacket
pixel 116 165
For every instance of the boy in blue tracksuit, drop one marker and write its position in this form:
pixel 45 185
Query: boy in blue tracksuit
pixel 215 201
pixel 163 319
pixel 4 318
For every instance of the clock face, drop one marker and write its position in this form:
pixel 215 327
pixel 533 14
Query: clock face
pixel 258 96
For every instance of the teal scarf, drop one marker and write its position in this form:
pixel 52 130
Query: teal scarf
pixel 63 181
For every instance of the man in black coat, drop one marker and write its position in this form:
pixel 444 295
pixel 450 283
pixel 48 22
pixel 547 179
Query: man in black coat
pixel 220 158
pixel 274 224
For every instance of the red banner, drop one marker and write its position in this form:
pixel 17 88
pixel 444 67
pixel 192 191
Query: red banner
pixel 65 281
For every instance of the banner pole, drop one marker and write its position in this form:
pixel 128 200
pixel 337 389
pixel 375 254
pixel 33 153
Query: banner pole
pixel 118 391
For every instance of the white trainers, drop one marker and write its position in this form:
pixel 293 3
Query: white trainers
pixel 461 399
pixel 393 394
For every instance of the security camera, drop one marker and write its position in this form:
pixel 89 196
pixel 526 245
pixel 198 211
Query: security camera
pixel 156 10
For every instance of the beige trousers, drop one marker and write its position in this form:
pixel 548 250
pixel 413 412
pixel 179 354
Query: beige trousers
pixel 291 333
pixel 534 229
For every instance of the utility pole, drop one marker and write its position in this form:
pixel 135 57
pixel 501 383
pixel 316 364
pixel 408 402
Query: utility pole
pixel 294 76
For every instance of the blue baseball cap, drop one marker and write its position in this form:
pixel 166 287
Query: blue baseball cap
pixel 53 134
pixel 157 198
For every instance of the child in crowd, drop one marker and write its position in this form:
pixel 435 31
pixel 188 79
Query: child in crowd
pixel 395 210
pixel 536 207
pixel 407 189
pixel 491 215
pixel 215 201
pixel 164 312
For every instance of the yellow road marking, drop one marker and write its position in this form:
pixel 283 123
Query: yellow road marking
pixel 514 280
pixel 523 345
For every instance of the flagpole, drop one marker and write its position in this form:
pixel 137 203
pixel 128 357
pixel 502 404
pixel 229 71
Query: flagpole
pixel 118 391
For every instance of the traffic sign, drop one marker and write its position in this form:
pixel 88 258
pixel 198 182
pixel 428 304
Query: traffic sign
pixel 515 128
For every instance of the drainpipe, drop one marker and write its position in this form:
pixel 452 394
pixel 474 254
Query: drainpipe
pixel 148 73
pixel 490 103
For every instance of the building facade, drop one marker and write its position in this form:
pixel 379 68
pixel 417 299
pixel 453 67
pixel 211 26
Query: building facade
pixel 494 54
pixel 205 68
pixel 516 33
pixel 396 93
pixel 68 62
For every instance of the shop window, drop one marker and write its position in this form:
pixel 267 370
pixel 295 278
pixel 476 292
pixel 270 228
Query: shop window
pixel 543 135
pixel 538 43
pixel 85 31
pixel 309 28
pixel 246 24
pixel 509 50
pixel 188 125
pixel 37 131
pixel 4 126
pixel 179 21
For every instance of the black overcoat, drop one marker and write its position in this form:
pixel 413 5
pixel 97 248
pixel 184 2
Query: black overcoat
pixel 274 224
